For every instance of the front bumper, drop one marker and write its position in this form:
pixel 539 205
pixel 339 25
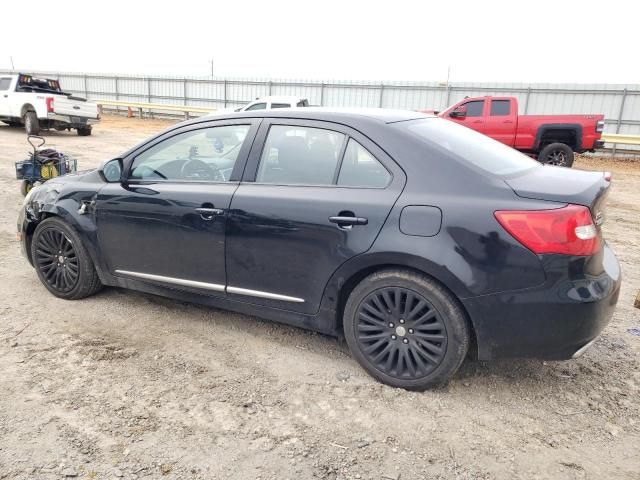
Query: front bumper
pixel 554 320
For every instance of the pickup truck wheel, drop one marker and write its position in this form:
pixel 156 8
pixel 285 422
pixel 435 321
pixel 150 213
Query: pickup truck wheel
pixel 31 124
pixel 558 154
pixel 84 131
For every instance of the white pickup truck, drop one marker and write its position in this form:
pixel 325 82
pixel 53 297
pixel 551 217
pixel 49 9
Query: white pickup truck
pixel 39 103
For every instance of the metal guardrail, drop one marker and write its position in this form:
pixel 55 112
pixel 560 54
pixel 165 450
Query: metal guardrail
pixel 140 106
pixel 618 138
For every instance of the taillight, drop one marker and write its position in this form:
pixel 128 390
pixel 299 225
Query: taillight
pixel 49 104
pixel 599 126
pixel 568 230
pixel 608 176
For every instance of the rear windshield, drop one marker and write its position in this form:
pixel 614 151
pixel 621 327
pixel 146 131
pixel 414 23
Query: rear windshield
pixel 27 83
pixel 477 149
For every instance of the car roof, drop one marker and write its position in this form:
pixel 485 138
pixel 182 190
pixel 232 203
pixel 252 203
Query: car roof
pixel 279 98
pixel 339 115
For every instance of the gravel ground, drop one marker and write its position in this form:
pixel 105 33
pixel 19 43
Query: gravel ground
pixel 128 385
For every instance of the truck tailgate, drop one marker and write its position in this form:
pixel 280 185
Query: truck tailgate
pixel 74 106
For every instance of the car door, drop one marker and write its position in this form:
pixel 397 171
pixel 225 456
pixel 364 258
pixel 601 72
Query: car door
pixel 314 194
pixel 474 115
pixel 166 222
pixel 500 123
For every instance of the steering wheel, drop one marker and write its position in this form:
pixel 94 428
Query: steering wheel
pixel 195 168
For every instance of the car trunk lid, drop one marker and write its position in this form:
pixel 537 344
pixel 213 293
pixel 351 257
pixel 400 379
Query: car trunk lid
pixel 564 185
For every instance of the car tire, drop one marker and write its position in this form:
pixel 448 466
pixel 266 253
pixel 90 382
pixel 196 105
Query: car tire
pixel 559 154
pixel 62 262
pixel 31 123
pixel 405 329
pixel 84 131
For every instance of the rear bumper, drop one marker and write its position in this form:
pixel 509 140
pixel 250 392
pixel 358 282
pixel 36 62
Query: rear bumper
pixel 598 144
pixel 554 320
pixel 73 122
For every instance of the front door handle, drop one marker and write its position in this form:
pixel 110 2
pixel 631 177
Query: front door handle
pixel 209 213
pixel 348 221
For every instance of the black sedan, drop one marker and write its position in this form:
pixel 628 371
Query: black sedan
pixel 418 239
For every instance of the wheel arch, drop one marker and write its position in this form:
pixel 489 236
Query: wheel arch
pixel 567 133
pixel 349 276
pixel 27 107
pixel 85 229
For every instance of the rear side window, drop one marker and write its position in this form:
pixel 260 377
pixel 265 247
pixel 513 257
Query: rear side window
pixel 473 147
pixel 295 155
pixel 474 109
pixel 361 169
pixel 500 108
pixel 4 83
pixel 280 105
pixel 257 106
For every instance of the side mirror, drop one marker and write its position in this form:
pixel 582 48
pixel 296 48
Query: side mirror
pixel 111 171
pixel 459 112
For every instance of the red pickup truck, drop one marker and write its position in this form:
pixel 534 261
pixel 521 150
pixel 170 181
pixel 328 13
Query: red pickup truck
pixel 551 139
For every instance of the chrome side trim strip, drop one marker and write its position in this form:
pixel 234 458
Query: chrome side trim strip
pixel 258 293
pixel 176 281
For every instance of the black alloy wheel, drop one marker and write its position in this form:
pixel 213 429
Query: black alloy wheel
pixel 57 260
pixel 62 262
pixel 406 329
pixel 401 332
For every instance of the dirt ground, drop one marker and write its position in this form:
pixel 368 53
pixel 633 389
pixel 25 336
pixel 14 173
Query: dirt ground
pixel 128 385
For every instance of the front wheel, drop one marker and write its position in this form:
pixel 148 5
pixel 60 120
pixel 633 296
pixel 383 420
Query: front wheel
pixel 62 262
pixel 405 329
pixel 559 154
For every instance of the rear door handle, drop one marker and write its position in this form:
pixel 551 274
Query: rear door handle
pixel 348 221
pixel 209 213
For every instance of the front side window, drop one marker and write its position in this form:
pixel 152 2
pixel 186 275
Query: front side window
pixel 207 154
pixel 500 108
pixel 295 155
pixel 4 83
pixel 257 106
pixel 361 169
pixel 474 109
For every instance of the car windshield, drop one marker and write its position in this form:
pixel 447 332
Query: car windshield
pixel 477 149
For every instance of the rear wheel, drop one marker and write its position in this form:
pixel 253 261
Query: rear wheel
pixel 62 262
pixel 559 154
pixel 31 123
pixel 405 329
pixel 84 131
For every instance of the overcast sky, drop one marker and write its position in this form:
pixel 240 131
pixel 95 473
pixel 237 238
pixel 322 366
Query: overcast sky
pixel 482 40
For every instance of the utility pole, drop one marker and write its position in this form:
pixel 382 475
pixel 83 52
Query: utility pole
pixel 12 67
pixel 211 62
